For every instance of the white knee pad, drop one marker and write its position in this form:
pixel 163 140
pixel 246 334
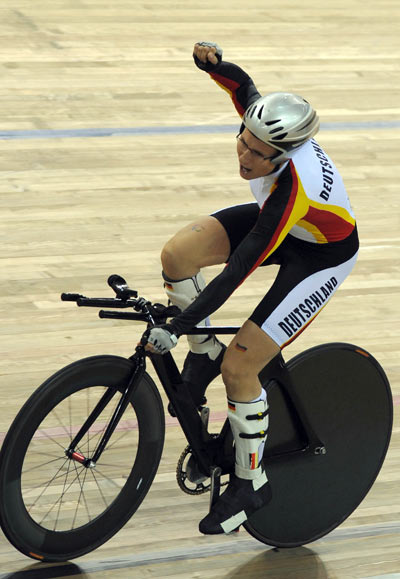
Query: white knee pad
pixel 249 424
pixel 182 293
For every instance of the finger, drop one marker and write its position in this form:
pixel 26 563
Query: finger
pixel 211 56
pixel 203 53
pixel 200 52
pixel 150 348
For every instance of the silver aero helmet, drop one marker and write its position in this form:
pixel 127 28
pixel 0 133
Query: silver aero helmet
pixel 282 120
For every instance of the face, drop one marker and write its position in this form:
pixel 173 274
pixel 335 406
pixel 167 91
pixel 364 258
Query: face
pixel 254 156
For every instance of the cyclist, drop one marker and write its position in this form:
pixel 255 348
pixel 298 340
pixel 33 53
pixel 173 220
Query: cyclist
pixel 301 220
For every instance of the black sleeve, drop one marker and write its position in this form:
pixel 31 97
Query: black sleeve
pixel 281 211
pixel 235 81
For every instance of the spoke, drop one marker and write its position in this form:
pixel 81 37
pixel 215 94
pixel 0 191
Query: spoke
pixel 54 479
pixel 47 485
pixel 59 492
pixel 108 478
pixel 79 499
pixel 46 463
pixel 60 498
pixel 86 505
pixel 61 422
pixel 97 434
pixel 109 465
pixel 115 440
pixel 51 438
pixel 98 486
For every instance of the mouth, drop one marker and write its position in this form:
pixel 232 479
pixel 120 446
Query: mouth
pixel 244 170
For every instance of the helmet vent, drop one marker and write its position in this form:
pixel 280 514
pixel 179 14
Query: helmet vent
pixel 253 110
pixel 279 137
pixel 276 130
pixel 269 123
pixel 260 112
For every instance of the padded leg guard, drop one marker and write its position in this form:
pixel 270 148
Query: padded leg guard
pixel 248 489
pixel 249 423
pixel 182 293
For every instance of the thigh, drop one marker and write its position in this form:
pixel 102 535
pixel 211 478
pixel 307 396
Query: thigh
pixel 200 244
pixel 210 240
pixel 238 221
pixel 308 277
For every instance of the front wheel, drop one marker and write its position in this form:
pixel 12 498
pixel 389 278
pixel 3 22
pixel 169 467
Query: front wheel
pixel 52 507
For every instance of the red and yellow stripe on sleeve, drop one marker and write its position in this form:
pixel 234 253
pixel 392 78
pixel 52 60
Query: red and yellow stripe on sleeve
pixel 230 86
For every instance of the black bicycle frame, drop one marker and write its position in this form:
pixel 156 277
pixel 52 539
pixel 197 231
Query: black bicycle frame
pixel 204 446
pixel 197 435
pixel 126 396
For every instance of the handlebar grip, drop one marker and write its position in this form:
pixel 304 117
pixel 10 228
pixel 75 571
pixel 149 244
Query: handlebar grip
pixel 65 297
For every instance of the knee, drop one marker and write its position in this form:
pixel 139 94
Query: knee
pixel 176 260
pixel 233 375
pixel 169 256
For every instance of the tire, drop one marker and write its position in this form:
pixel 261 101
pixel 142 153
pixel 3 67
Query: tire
pixel 348 401
pixel 53 508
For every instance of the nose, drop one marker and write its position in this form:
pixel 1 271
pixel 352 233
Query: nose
pixel 244 156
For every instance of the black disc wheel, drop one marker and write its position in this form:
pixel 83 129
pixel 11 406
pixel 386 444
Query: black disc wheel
pixel 55 507
pixel 347 399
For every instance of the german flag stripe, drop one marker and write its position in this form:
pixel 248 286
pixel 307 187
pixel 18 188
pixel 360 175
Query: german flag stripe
pixel 331 225
pixel 230 86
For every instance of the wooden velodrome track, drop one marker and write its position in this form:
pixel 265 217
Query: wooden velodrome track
pixel 81 198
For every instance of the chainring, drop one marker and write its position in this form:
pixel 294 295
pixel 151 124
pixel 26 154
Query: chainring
pixel 183 481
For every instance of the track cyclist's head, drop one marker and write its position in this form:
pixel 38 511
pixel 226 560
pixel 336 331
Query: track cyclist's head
pixel 274 127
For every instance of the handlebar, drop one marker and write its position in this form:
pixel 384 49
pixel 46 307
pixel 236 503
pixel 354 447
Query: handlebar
pixel 145 311
pixel 125 298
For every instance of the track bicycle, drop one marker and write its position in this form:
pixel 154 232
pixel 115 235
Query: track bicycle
pixel 84 449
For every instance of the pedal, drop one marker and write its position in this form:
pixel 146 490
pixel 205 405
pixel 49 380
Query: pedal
pixel 193 472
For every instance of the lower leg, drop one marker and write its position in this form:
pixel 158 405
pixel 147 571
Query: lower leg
pixel 248 489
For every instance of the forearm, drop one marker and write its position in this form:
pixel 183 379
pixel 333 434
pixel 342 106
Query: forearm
pixel 242 262
pixel 237 83
pixel 231 78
